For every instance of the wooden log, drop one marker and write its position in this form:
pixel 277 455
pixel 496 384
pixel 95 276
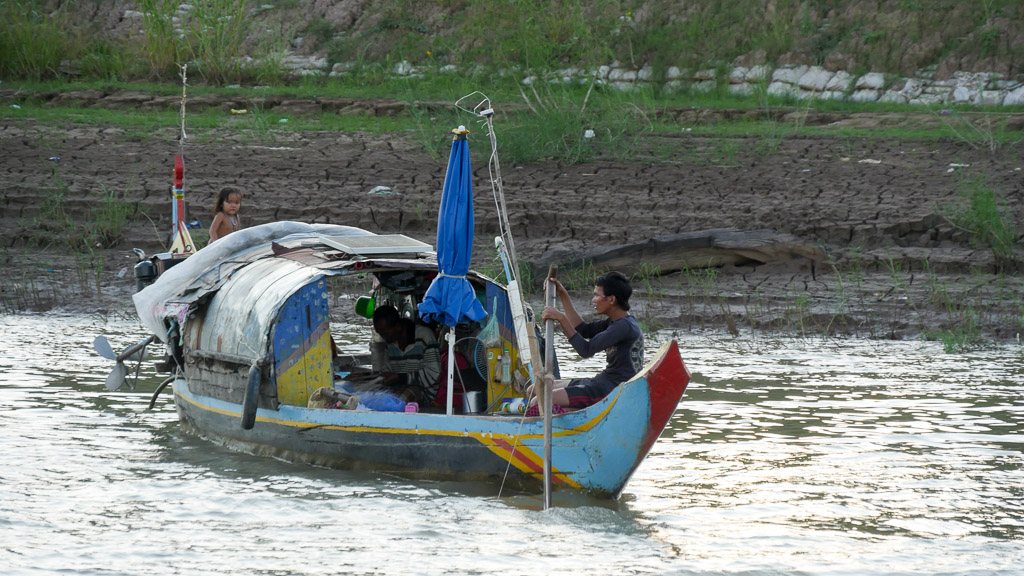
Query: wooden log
pixel 704 249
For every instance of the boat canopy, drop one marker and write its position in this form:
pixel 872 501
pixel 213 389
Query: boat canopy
pixel 184 286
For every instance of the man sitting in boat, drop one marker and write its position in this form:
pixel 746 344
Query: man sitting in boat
pixel 619 335
pixel 412 366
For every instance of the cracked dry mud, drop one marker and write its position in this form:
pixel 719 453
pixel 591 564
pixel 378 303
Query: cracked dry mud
pixel 893 266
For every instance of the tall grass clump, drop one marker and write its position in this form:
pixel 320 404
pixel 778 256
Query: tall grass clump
pixel 206 34
pixel 32 42
pixel 570 125
pixel 101 227
pixel 986 217
pixel 162 46
pixel 217 31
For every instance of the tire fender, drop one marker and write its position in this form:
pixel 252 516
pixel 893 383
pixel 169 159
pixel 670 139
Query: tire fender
pixel 252 397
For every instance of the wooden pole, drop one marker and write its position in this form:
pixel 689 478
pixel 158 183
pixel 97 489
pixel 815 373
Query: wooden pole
pixel 548 381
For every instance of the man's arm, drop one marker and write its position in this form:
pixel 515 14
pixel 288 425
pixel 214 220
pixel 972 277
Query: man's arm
pixel 614 333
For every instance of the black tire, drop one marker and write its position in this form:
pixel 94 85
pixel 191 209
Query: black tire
pixel 251 401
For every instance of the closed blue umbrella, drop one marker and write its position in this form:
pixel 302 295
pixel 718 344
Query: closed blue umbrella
pixel 450 299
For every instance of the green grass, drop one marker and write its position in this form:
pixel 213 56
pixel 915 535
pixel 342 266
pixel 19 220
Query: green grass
pixel 515 35
pixel 985 215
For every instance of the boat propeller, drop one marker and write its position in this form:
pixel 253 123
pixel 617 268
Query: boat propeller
pixel 119 375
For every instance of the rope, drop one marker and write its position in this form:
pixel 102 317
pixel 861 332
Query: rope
pixel 181 113
pixel 504 228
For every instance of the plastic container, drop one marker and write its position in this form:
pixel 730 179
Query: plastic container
pixel 412 407
pixel 474 402
pixel 513 406
pixel 506 367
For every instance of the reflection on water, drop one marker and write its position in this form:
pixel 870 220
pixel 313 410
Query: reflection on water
pixel 792 457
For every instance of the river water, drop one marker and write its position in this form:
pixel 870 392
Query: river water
pixel 800 457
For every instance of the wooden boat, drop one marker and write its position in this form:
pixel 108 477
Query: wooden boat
pixel 247 325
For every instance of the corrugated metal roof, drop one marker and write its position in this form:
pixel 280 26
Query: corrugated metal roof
pixel 239 316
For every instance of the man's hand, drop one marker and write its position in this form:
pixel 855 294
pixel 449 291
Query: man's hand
pixel 552 313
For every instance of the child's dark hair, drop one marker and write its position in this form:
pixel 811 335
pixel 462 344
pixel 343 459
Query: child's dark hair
pixel 615 284
pixel 222 197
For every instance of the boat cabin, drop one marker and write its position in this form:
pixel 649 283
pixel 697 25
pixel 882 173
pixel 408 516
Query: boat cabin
pixel 285 306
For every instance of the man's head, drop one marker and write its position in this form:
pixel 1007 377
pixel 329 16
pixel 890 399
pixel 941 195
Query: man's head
pixel 386 322
pixel 615 288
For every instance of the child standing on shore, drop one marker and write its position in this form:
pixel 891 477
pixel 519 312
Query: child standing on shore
pixel 225 213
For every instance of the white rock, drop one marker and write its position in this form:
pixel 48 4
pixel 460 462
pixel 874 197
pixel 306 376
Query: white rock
pixel 782 89
pixel 758 73
pixel 673 86
pixel 706 74
pixel 990 98
pixel 403 68
pixel 621 75
pixel 788 75
pixel 927 100
pixel 1015 97
pixel 738 75
pixel 673 73
pixel 704 86
pixel 912 88
pixel 871 81
pixel 815 79
pixel 893 96
pixel 645 74
pixel 741 89
pixel 963 94
pixel 840 82
pixel 865 96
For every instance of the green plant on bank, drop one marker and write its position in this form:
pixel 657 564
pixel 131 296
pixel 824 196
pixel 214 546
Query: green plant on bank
pixel 984 215
pixel 32 42
pixel 578 277
pixel 161 46
pixel 964 336
pixel 216 33
pixel 646 280
pixel 101 228
pixel 979 129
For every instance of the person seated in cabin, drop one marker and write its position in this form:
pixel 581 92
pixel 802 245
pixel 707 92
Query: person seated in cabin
pixel 412 364
pixel 619 335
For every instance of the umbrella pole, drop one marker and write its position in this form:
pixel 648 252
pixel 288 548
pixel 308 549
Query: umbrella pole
pixel 549 380
pixel 451 368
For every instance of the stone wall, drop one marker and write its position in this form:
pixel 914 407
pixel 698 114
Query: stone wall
pixel 799 82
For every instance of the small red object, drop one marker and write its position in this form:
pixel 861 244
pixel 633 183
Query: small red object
pixel 179 172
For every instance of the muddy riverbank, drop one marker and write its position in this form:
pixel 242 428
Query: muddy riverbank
pixel 889 262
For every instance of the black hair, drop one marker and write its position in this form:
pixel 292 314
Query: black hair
pixel 615 284
pixel 223 196
pixel 387 314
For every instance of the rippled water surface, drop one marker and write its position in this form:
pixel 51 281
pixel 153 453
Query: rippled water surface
pixel 789 457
